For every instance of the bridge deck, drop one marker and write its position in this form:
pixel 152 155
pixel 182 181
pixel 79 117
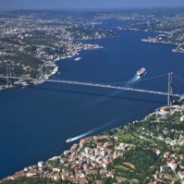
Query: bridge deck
pixel 113 87
pixel 108 86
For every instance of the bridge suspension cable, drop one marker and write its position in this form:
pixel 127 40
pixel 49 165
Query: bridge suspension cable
pixel 142 80
pixel 114 87
pixel 107 86
pixel 155 77
pixel 181 79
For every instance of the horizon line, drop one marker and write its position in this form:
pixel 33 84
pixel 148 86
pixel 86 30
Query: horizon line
pixel 93 9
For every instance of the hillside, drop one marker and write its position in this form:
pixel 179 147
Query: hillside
pixel 146 151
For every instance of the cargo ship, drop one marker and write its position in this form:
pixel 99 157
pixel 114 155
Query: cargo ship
pixel 141 72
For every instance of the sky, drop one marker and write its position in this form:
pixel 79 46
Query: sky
pixel 87 4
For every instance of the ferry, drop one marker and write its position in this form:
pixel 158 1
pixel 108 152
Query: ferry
pixel 141 72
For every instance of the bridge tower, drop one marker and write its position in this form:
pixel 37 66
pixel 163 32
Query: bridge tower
pixel 170 89
pixel 8 72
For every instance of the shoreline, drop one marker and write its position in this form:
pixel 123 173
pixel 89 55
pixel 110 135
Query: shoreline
pixel 45 77
pixel 152 40
pixel 30 173
pixel 19 174
pixel 41 171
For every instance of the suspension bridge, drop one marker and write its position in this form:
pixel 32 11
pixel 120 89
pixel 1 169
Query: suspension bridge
pixel 169 92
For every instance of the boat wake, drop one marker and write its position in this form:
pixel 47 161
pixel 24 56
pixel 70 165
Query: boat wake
pixel 88 133
pixel 130 83
pixel 136 78
pixel 133 80
pixel 79 136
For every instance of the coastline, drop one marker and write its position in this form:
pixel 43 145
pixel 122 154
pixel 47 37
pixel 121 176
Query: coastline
pixel 45 77
pixel 153 40
pixel 55 170
pixel 94 149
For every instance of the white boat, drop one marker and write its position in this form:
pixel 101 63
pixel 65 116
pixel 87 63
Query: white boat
pixel 141 72
pixel 69 140
pixel 78 58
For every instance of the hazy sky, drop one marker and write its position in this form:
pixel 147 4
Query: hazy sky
pixel 88 4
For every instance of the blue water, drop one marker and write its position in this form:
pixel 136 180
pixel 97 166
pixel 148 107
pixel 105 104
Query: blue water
pixel 35 122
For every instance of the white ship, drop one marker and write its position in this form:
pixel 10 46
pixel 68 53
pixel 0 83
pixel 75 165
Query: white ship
pixel 78 58
pixel 141 72
pixel 69 140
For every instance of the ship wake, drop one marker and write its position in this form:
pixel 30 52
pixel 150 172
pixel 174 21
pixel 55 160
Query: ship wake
pixel 88 133
pixel 132 81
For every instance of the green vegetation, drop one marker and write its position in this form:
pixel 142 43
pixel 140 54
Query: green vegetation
pixel 53 163
pixel 136 164
pixel 22 58
pixel 47 70
pixel 107 180
pixel 19 61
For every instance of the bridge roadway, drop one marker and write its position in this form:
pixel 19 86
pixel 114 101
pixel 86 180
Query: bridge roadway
pixel 114 87
pixel 107 86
